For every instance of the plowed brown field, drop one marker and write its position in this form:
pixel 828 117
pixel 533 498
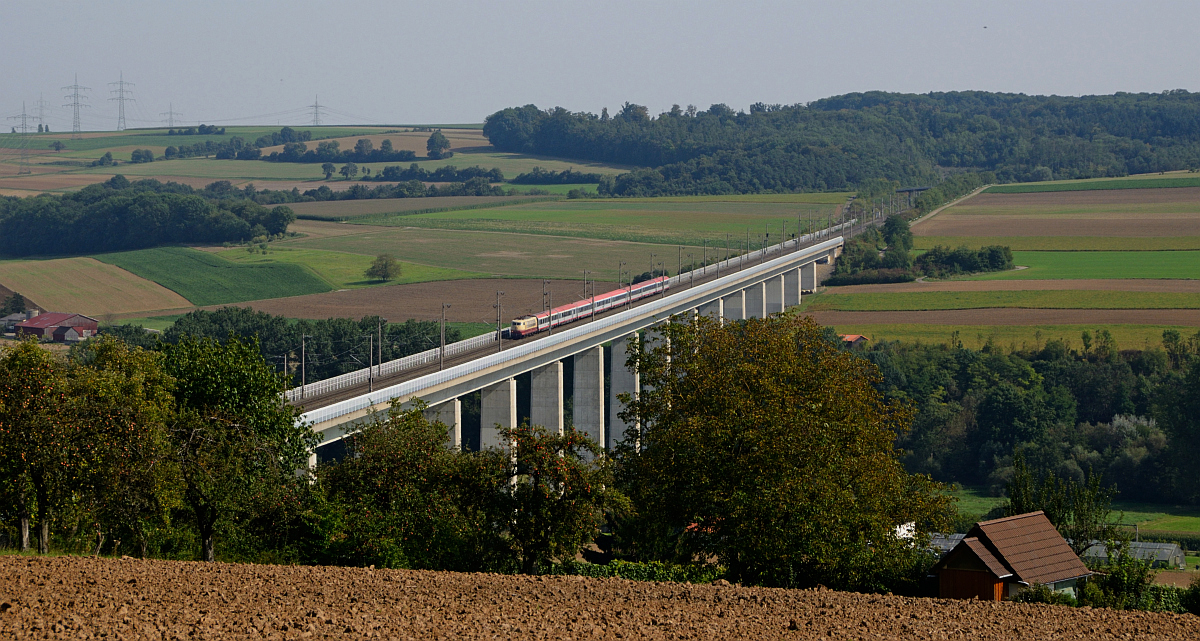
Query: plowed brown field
pixel 125 599
pixel 1016 316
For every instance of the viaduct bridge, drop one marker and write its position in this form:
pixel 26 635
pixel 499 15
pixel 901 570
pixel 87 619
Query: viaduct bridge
pixel 753 285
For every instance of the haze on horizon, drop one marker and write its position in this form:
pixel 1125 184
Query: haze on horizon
pixel 238 63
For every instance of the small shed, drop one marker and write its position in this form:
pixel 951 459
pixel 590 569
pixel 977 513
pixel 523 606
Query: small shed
pixel 1158 555
pixel 10 321
pixel 998 558
pixel 854 340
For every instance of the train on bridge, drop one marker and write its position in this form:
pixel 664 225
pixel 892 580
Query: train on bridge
pixel 533 323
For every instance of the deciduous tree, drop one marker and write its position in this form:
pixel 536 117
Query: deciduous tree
pixel 385 267
pixel 766 445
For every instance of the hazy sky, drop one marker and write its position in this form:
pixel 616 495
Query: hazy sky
pixel 257 62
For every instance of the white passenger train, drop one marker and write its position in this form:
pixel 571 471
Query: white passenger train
pixel 534 323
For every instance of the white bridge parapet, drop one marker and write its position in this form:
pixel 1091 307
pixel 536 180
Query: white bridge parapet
pixel 488 371
pixel 361 376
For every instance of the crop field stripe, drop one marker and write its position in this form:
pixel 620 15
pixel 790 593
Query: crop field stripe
pixel 1011 336
pixel 1064 243
pixel 1046 299
pixel 205 279
pixel 1101 264
pixel 1096 185
pixel 373 218
pixel 342 270
pixel 86 286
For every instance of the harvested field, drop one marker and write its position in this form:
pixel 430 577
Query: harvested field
pixel 471 300
pixel 345 209
pixel 1141 181
pixel 1070 201
pixel 52 181
pixel 341 270
pixel 313 229
pixel 86 286
pixel 1015 316
pixel 76 597
pixel 1095 285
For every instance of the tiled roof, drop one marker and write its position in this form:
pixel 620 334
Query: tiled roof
pixel 1031 547
pixel 49 319
pixel 987 557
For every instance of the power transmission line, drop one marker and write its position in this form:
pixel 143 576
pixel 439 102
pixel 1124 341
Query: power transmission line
pixel 170 113
pixel 121 92
pixel 316 115
pixel 75 97
pixel 24 118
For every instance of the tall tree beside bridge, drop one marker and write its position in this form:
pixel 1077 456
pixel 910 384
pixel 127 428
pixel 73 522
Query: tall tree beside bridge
pixel 765 444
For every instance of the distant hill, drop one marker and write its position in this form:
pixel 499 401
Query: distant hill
pixel 843 141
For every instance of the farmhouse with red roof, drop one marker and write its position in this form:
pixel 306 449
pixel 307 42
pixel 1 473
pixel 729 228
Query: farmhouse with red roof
pixel 59 326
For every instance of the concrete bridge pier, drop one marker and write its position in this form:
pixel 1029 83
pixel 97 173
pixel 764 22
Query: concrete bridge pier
pixel 622 381
pixel 734 306
pixel 714 309
pixel 449 414
pixel 497 406
pixel 791 288
pixel 546 397
pixel 587 413
pixel 808 277
pixel 756 300
pixel 775 294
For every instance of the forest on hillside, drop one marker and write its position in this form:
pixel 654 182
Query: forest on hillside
pixel 843 141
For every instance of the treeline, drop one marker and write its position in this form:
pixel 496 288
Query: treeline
pixel 539 176
pixel 185 451
pixel 844 141
pixel 202 130
pixel 330 151
pixel 1132 415
pixel 330 348
pixel 447 173
pixel 882 256
pixel 119 215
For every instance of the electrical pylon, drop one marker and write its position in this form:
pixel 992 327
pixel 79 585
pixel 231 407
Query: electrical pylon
pixel 316 107
pixel 75 98
pixel 41 105
pixel 24 118
pixel 170 113
pixel 121 92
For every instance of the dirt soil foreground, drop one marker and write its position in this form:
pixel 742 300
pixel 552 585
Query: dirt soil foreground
pixel 127 599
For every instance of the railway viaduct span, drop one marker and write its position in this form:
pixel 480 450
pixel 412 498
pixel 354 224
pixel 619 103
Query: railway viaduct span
pixel 750 286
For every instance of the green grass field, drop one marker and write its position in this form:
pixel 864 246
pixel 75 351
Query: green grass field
pixel 233 170
pixel 343 210
pixel 664 221
pixel 340 270
pixel 1064 243
pixel 1148 516
pixel 1011 336
pixel 205 279
pixel 501 254
pixel 1112 264
pixel 1049 299
pixel 1147 181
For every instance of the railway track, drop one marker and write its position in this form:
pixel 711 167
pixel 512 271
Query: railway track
pixel 317 402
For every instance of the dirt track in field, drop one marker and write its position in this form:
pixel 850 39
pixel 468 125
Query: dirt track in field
pixel 72 597
pixel 471 300
pixel 1016 316
pixel 1098 285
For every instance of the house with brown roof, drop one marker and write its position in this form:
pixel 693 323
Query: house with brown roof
pixel 998 558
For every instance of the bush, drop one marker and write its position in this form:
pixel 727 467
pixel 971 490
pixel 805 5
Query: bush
pixel 1041 593
pixel 868 276
pixel 1189 599
pixel 652 571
